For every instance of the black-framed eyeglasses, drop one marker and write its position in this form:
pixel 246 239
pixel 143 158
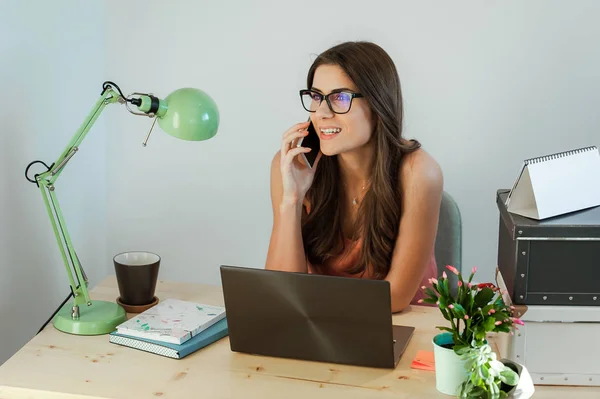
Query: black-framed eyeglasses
pixel 339 102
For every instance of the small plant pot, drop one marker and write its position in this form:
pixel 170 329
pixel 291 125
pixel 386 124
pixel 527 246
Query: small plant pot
pixel 450 368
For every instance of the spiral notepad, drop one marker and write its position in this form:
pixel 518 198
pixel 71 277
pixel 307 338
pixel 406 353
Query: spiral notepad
pixel 555 184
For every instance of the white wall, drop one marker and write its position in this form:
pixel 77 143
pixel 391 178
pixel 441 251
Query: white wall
pixel 485 86
pixel 51 71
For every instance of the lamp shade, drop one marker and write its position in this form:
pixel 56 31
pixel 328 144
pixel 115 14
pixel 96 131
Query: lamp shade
pixel 191 114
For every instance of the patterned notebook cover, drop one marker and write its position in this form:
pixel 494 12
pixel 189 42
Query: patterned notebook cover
pixel 173 321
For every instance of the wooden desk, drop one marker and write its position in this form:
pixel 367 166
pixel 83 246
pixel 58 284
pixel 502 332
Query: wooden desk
pixel 57 365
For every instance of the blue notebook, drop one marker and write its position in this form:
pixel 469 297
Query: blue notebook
pixel 204 338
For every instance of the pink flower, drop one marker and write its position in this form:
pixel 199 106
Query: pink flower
pixel 498 323
pixel 420 301
pixel 492 311
pixel 460 283
pixel 512 308
pixel 517 321
pixel 474 270
pixel 423 287
pixel 466 317
pixel 438 303
pixel 451 306
pixel 469 285
pixel 444 275
pixel 452 269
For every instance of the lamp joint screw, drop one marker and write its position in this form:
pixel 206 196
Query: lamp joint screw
pixel 522 275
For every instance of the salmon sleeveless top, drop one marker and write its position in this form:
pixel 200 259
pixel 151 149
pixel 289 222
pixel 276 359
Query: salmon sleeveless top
pixel 338 266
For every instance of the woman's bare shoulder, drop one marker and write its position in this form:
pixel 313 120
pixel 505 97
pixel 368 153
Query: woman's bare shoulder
pixel 420 171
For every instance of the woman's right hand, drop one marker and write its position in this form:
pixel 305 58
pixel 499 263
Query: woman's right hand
pixel 296 175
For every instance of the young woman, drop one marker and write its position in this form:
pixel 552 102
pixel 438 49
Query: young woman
pixel 369 207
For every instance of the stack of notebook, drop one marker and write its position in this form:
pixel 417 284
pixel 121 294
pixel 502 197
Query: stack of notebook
pixel 173 328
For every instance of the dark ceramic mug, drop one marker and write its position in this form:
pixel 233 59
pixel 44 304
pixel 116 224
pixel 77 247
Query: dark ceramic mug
pixel 137 273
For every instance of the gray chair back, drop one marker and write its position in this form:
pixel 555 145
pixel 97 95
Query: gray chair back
pixel 448 242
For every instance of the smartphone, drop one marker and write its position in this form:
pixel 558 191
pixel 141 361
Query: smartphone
pixel 312 141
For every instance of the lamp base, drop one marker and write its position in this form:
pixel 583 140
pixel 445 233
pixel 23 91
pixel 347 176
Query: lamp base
pixel 102 317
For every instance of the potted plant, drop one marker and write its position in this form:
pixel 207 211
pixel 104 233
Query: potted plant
pixel 465 364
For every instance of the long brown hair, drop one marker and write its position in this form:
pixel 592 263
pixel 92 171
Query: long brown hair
pixel 374 73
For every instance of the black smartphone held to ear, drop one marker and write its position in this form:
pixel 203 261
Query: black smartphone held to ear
pixel 311 140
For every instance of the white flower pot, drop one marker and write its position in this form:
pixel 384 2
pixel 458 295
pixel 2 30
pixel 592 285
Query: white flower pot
pixel 450 369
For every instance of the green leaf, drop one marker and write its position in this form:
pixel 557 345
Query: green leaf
pixel 459 310
pixel 490 324
pixel 502 328
pixel 480 334
pixel 461 349
pixel 443 303
pixel 509 377
pixel 431 301
pixel 486 309
pixel 430 292
pixel 485 372
pixel 478 393
pixel 483 297
pixel 443 287
pixel 444 328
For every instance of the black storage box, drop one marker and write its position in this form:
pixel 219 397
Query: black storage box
pixel 555 261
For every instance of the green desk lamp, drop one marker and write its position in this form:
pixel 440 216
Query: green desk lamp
pixel 188 114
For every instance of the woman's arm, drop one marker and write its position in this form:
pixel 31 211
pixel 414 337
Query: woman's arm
pixel 422 188
pixel 286 249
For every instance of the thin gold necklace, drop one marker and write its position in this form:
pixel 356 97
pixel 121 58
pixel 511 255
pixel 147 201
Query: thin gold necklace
pixel 355 199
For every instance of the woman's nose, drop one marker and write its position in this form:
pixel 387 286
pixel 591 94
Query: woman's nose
pixel 323 111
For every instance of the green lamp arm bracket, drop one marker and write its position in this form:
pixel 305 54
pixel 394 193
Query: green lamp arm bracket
pixel 46 182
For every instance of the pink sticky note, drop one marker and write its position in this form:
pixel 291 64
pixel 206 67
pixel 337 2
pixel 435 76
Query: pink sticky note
pixel 423 361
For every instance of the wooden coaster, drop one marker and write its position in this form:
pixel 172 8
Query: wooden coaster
pixel 137 308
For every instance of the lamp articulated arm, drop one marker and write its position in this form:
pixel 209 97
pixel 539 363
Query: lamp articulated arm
pixel 46 182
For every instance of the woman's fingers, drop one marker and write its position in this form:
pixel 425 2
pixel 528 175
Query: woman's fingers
pixel 293 153
pixel 290 138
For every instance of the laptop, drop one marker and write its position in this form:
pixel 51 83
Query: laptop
pixel 312 317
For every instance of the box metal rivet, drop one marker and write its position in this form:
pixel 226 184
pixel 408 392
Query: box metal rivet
pixel 595 298
pixel 590 379
pixel 544 297
pixel 522 275
pixel 566 379
pixel 523 253
pixel 521 296
pixel 520 231
pixel 519 334
pixel 570 298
